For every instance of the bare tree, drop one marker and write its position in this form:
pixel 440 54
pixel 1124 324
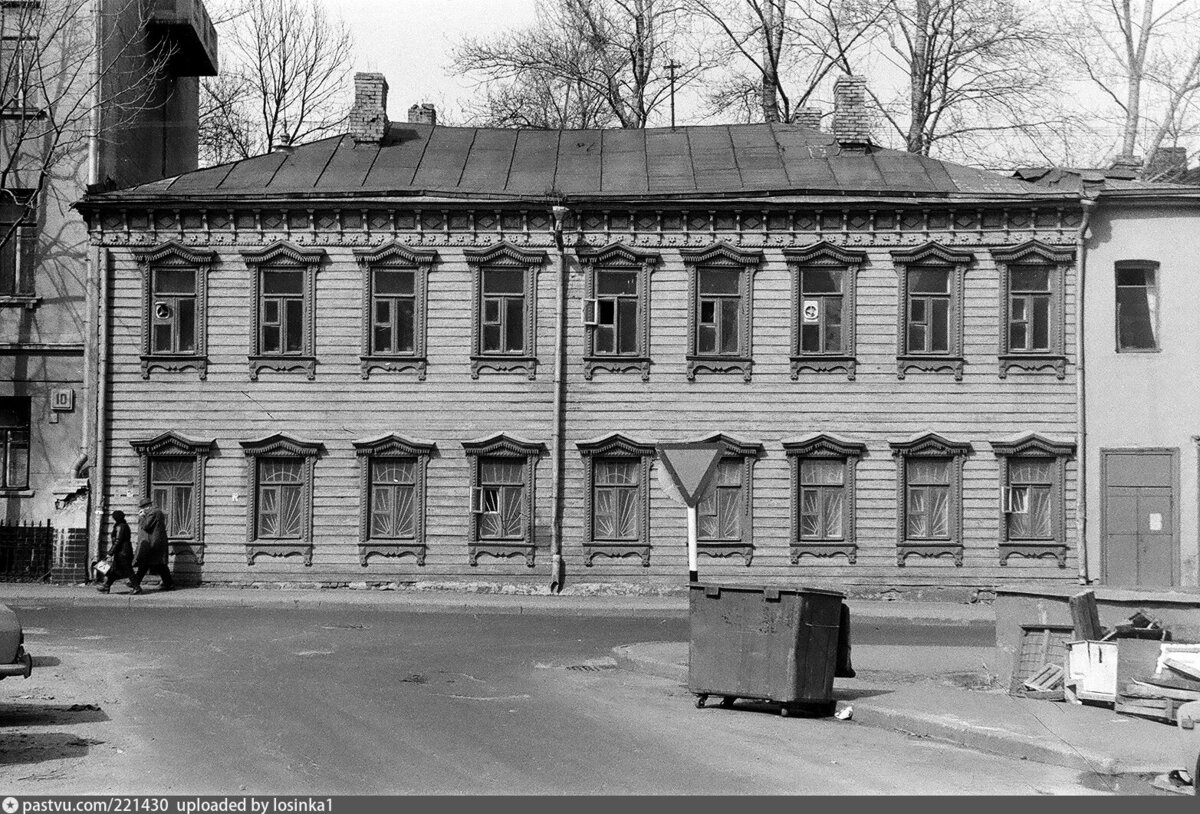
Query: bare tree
pixel 783 50
pixel 284 79
pixel 63 86
pixel 1145 60
pixel 583 63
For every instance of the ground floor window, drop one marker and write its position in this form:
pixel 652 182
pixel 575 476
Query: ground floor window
pixel 280 488
pixel 14 443
pixel 173 490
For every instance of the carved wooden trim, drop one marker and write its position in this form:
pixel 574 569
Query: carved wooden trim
pixel 283 364
pixel 280 445
pixel 504 255
pixel 722 256
pixel 383 447
pixel 725 550
pixel 1036 446
pixel 617 257
pixel 1059 262
pixel 616 445
pixel 930 445
pixel 502 445
pixel 616 551
pixel 825 255
pixel 259 547
pixel 173 255
pixel 933 255
pixel 829 448
pixel 174 445
pixel 283 256
pixel 404 258
pixel 504 364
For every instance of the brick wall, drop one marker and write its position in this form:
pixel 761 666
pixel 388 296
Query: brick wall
pixel 70 556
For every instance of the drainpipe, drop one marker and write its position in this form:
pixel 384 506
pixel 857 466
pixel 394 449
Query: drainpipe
pixel 1088 205
pixel 557 570
pixel 91 442
pixel 100 433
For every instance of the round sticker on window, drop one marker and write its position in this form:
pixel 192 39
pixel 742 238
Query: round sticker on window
pixel 812 311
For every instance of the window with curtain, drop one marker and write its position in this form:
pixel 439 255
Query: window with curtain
pixel 822 499
pixel 173 489
pixel 927 498
pixel 616 498
pixel 393 498
pixel 280 484
pixel 501 499
pixel 720 512
pixel 1137 308
pixel 14 443
pixel 1029 502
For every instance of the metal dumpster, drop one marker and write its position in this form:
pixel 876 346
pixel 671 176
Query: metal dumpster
pixel 777 644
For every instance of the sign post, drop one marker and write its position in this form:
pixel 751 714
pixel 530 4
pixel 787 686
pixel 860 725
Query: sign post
pixel 689 468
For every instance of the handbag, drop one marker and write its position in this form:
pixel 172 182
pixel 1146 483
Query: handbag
pixel 103 566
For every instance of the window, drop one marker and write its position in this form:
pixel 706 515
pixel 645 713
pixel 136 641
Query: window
pixel 395 280
pixel 502 523
pixel 18 239
pixel 174 296
pixel 283 302
pixel 280 472
pixel 616 309
pixel 724 515
pixel 505 279
pixel 930 331
pixel 19 53
pixel 1033 521
pixel 1032 277
pixel 824 279
pixel 1137 306
pixel 617 478
pixel 393 498
pixel 823 496
pixel 14 443
pixel 721 280
pixel 172 475
pixel 930 497
pixel 392 523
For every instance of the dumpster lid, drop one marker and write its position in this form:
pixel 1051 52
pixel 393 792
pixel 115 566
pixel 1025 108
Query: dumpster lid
pixel 759 588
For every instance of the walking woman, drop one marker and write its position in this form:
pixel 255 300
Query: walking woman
pixel 120 551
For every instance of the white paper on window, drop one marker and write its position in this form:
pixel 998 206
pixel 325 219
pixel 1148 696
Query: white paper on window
pixel 1152 306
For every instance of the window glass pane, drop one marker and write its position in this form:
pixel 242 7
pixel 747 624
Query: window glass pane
pixel 295 326
pixel 16 471
pixel 383 311
pixel 270 340
pixel 713 281
pixel 1019 309
pixel 394 282
pixel 708 311
pixel 14 413
pixel 174 281
pixel 1018 336
pixel 939 512
pixel 503 281
pixel 1135 276
pixel 501 470
pixel 180 512
pixel 939 330
pixel 833 513
pixel 1137 310
pixel 810 338
pixel 811 526
pixel 405 326
pixel 929 281
pixel 162 338
pixel 928 471
pixel 186 309
pixel 271 311
pixel 729 512
pixel 8 260
pixel 818 281
pixel 171 470
pixel 491 337
pixel 627 326
pixel 605 339
pixel 917 513
pixel 616 282
pixel 1041 324
pixel 393 470
pixel 1030 470
pixel 290 511
pixel 729 472
pixel 916 337
pixel 514 325
pixel 1030 278
pixel 616 471
pixel 916 310
pixel 279 470
pixel 606 312
pixel 491 310
pixel 814 471
pixel 706 338
pixel 833 324
pixel 730 339
pixel 283 282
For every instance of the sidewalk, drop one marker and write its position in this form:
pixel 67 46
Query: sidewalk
pixel 920 690
pixel 441 600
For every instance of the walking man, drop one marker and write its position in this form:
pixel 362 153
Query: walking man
pixel 151 552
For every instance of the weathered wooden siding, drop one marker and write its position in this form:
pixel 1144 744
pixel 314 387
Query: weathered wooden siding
pixel 450 407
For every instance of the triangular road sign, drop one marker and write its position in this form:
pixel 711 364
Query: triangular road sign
pixel 690 466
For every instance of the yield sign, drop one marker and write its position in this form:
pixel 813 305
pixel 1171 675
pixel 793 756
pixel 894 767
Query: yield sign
pixel 690 467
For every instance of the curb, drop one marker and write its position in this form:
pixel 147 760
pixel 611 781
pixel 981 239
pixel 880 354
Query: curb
pixel 629 659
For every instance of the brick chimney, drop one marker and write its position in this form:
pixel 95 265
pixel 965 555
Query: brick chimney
pixel 1124 168
pixel 368 117
pixel 851 122
pixel 1169 164
pixel 423 114
pixel 809 117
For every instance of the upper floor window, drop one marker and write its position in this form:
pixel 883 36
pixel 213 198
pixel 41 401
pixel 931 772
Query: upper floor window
pixel 395 281
pixel 1029 298
pixel 174 296
pixel 173 291
pixel 1033 324
pixel 14 443
pixel 505 283
pixel 1137 306
pixel 616 310
pixel 283 305
pixel 930 329
pixel 18 237
pixel 824 282
pixel 721 281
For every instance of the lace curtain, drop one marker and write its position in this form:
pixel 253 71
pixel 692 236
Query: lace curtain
pixel 615 502
pixel 280 497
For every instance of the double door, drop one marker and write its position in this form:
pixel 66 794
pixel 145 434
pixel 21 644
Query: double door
pixel 1140 503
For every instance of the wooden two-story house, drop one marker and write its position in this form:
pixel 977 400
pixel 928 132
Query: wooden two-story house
pixel 422 354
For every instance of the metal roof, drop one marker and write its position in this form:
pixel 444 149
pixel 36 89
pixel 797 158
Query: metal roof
pixel 714 161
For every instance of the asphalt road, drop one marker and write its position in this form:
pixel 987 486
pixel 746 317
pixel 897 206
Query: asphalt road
pixel 354 701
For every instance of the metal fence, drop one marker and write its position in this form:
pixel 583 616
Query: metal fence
pixel 26 551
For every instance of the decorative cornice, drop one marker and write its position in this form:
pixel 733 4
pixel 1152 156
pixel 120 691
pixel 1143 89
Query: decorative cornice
pixel 395 252
pixel 1034 251
pixel 722 253
pixel 824 252
pixel 732 445
pixel 393 444
pixel 282 250
pixel 615 443
pixel 616 254
pixel 1034 444
pixel 171 443
pixel 282 442
pixel 823 445
pixel 174 250
pixel 932 252
pixel 504 253
pixel 503 444
pixel 929 444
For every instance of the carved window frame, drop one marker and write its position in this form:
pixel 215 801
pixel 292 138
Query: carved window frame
pixel 504 256
pixel 616 445
pixel 723 257
pixel 825 447
pixel 1058 261
pixel 396 256
pixel 932 255
pixel 173 255
pixel 280 445
pixel 391 446
pixel 174 445
pixel 284 256
pixel 930 445
pixel 504 446
pixel 618 257
pixel 1036 446
pixel 747 452
pixel 826 256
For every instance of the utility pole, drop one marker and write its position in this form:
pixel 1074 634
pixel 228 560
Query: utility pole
pixel 672 66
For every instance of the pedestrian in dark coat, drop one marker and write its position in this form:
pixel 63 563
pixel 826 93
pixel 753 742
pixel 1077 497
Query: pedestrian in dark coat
pixel 151 552
pixel 120 553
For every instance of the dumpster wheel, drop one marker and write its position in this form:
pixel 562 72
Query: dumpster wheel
pixel 727 701
pixel 700 699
